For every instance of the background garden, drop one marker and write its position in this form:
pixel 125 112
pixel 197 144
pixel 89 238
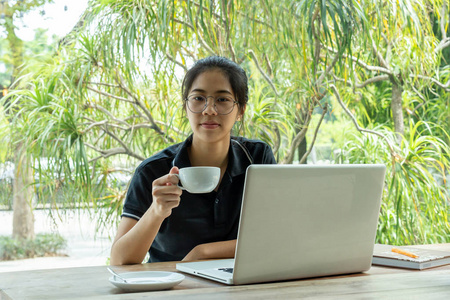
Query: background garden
pixel 331 81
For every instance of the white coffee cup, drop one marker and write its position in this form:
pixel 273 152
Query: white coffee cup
pixel 199 180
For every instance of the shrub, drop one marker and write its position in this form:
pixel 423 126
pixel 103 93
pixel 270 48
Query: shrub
pixel 46 244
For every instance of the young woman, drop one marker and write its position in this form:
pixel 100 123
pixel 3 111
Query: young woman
pixel 171 224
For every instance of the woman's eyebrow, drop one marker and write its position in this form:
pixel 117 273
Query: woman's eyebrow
pixel 216 92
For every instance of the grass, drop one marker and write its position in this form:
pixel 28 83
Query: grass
pixel 43 245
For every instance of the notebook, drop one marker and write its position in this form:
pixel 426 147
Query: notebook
pixel 301 221
pixel 413 258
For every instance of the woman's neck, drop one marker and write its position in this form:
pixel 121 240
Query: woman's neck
pixel 210 154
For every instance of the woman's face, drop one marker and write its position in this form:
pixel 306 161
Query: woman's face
pixel 209 126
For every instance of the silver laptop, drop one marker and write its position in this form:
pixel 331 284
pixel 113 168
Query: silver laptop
pixel 301 221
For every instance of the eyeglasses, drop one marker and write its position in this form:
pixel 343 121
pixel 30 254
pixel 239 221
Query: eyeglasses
pixel 223 105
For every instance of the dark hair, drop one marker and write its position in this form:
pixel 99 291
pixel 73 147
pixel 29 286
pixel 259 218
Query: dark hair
pixel 235 74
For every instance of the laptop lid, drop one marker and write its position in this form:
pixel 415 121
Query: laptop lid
pixel 301 221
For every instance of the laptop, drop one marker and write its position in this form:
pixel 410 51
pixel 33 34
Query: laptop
pixel 301 221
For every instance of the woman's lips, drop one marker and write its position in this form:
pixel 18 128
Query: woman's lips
pixel 209 125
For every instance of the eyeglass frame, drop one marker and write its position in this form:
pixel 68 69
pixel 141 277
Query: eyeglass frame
pixel 206 104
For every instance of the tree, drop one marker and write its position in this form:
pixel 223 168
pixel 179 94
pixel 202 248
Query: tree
pixel 124 78
pixel 23 220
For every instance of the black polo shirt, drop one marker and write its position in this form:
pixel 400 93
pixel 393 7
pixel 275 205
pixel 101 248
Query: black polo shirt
pixel 200 218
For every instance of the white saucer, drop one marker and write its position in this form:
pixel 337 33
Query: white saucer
pixel 147 280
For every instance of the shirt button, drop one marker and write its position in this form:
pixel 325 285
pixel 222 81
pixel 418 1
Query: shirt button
pixel 217 201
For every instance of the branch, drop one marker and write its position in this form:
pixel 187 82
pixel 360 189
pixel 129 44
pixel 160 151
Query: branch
pixel 206 46
pixel 176 62
pixel 378 54
pixel 103 84
pixel 109 95
pixel 276 145
pixel 190 53
pixel 443 13
pixel 389 44
pixel 103 125
pixel 255 20
pixel 108 113
pixel 207 10
pixel 328 69
pixel 87 118
pixel 114 151
pixel 297 140
pixel 176 130
pixel 363 64
pixel 105 153
pixel 442 45
pixel 255 59
pixel 135 99
pixel 128 128
pixel 71 36
pixel 317 43
pixel 301 135
pixel 118 169
pixel 269 65
pixel 121 127
pixel 136 108
pixel 94 125
pixel 233 53
pixel 143 108
pixel 349 83
pixel 227 30
pixel 100 137
pixel 384 37
pixel 437 82
pixel 424 101
pixel 324 112
pixel 124 146
pixel 132 117
pixel 348 112
pixel 183 23
pixel 373 80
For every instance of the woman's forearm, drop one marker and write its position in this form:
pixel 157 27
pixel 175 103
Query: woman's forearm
pixel 224 249
pixel 134 238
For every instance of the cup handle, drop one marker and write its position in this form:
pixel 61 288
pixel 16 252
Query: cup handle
pixel 178 185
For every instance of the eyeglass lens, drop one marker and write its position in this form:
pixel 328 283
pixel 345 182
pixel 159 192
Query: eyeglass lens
pixel 223 105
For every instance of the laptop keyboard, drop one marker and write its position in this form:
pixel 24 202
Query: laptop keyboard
pixel 228 270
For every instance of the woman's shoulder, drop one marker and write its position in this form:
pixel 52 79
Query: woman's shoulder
pixel 161 158
pixel 249 143
pixel 256 150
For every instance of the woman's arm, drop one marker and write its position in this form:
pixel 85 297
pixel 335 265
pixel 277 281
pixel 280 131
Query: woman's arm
pixel 134 238
pixel 225 249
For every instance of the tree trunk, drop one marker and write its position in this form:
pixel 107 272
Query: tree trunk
pixel 397 110
pixel 23 191
pixel 302 149
pixel 15 46
pixel 23 219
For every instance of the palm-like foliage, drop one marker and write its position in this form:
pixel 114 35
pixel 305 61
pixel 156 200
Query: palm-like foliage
pixel 416 202
pixel 111 97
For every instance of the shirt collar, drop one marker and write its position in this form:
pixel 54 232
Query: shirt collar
pixel 181 159
pixel 238 157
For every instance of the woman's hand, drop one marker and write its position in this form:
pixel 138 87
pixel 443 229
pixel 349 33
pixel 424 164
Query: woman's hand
pixel 166 194
pixel 134 238
pixel 225 249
